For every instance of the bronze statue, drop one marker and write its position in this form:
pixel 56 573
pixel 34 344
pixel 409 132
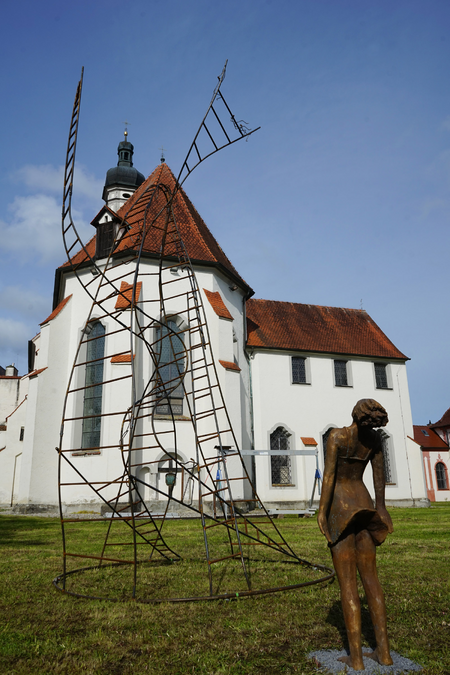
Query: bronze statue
pixel 354 527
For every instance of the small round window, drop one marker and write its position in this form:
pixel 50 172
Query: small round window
pixel 126 195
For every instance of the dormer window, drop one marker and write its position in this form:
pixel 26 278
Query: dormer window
pixel 105 239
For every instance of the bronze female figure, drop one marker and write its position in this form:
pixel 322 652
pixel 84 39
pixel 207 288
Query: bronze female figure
pixel 353 527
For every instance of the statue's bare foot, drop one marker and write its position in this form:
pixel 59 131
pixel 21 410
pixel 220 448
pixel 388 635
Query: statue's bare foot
pixel 383 659
pixel 356 665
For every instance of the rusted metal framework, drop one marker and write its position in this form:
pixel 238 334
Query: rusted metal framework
pixel 140 417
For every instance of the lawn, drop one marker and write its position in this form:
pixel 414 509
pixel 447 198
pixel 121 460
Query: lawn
pixel 44 631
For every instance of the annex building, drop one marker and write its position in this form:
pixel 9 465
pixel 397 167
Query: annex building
pixel 289 372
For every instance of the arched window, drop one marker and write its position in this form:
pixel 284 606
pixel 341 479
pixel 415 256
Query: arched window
pixel 324 443
pixel 441 476
pixel 280 464
pixel 92 405
pixel 171 367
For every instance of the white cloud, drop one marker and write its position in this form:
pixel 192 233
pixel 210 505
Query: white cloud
pixel 25 302
pixel 34 229
pixel 12 334
pixel 50 179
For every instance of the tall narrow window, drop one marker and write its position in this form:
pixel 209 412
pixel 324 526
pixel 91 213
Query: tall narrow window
pixel 340 374
pixel 171 368
pixel 381 376
pixel 280 464
pixel 441 476
pixel 389 477
pixel 298 370
pixel 92 406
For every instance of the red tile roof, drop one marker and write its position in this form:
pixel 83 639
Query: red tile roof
pixel 35 373
pixel 57 310
pixel 432 441
pixel 312 328
pixel 218 304
pixel 230 365
pixel 444 421
pixel 127 290
pixel 200 244
pixel 307 440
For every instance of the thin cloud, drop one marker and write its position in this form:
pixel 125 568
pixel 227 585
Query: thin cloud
pixel 47 178
pixel 22 301
pixel 12 334
pixel 34 230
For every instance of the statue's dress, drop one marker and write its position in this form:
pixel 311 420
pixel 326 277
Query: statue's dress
pixel 352 505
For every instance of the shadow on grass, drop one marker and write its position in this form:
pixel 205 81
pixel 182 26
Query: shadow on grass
pixel 16 531
pixel 335 618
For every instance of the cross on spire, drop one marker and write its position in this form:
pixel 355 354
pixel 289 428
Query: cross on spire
pixel 125 133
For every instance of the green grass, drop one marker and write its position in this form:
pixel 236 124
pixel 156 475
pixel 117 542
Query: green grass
pixel 43 631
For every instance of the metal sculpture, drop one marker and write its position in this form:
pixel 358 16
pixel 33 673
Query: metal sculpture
pixel 353 527
pixel 146 431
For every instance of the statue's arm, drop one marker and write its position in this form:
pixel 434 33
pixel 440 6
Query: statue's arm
pixel 329 476
pixel 379 485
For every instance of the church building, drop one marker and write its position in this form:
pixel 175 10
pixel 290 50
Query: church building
pixel 289 372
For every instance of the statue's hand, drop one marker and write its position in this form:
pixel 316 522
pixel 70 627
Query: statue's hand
pixel 386 518
pixel 323 525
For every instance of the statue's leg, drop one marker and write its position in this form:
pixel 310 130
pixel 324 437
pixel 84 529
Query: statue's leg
pixel 344 561
pixel 366 561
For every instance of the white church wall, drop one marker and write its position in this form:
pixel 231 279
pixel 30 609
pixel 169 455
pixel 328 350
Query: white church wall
pixel 58 345
pixel 309 410
pixel 11 442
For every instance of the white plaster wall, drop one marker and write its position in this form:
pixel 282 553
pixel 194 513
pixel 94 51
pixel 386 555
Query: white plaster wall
pixel 10 456
pixel 310 409
pixel 58 344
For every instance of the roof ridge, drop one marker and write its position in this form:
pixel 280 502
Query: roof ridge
pixel 310 304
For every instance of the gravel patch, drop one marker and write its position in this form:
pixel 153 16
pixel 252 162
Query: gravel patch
pixel 327 662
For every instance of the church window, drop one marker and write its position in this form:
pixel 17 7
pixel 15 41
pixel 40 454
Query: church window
pixel 299 375
pixel 388 459
pixel 340 374
pixel 381 376
pixel 280 464
pixel 171 368
pixel 22 433
pixel 93 393
pixel 441 476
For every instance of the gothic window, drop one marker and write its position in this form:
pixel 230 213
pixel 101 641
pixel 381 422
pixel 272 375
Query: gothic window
pixel 280 464
pixel 324 443
pixel 441 476
pixel 388 460
pixel 340 374
pixel 171 368
pixel 381 376
pixel 93 392
pixel 298 370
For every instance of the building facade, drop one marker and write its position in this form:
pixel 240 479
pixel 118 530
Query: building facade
pixel 289 372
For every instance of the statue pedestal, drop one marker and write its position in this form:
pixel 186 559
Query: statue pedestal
pixel 327 662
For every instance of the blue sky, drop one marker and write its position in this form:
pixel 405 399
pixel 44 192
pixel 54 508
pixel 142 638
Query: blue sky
pixel 342 198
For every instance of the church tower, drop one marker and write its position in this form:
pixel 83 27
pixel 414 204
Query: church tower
pixel 122 180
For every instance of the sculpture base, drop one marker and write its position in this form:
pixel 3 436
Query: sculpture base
pixel 327 662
